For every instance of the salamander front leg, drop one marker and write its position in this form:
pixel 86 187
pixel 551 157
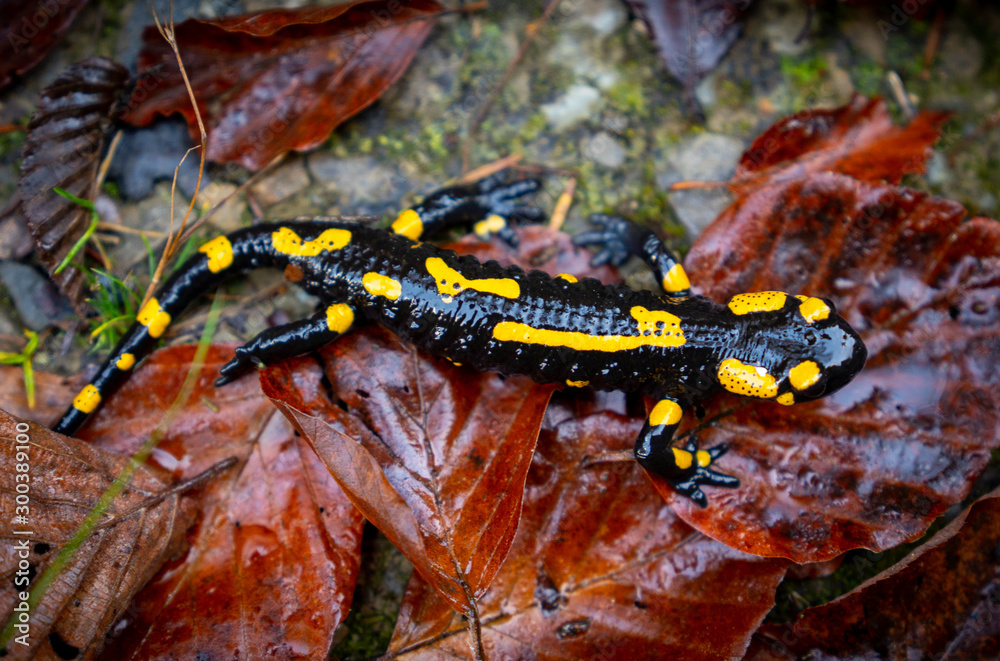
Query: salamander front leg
pixel 684 468
pixel 292 339
pixel 489 206
pixel 619 238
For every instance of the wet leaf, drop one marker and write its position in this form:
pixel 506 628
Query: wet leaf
pixel 601 567
pixel 691 36
pixel 875 463
pixel 434 455
pixel 63 150
pixel 280 80
pixel 940 602
pixel 139 530
pixel 857 139
pixel 28 31
pixel 272 563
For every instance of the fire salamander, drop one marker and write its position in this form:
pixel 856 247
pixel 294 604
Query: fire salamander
pixel 676 347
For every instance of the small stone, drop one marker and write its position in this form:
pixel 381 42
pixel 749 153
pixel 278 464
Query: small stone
pixel 578 104
pixel 35 298
pixel 707 157
pixel 289 179
pixel 604 149
pixel 359 180
pixel 227 212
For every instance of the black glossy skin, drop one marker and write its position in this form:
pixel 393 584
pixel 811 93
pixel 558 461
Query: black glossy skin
pixel 462 325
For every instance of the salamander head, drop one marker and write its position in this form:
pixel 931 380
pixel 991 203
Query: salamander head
pixel 791 348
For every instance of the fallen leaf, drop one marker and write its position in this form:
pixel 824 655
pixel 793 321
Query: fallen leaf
pixel 29 30
pixel 874 464
pixel 62 150
pixel 271 565
pixel 939 602
pixel 691 36
pixel 601 567
pixel 138 531
pixel 283 79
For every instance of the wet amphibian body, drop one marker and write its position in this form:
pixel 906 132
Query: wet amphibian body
pixel 673 346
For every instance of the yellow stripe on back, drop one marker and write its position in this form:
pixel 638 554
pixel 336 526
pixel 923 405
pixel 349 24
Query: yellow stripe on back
pixel 287 242
pixel 761 301
pixel 377 284
pixel 450 282
pixel 656 328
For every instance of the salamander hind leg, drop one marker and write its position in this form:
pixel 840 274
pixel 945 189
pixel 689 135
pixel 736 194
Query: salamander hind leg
pixel 619 239
pixel 686 468
pixel 289 340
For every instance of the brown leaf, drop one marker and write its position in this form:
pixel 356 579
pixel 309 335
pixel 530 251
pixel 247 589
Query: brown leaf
pixel 601 567
pixel 62 150
pixel 139 530
pixel 272 564
pixel 939 602
pixel 691 36
pixel 280 80
pixel 875 463
pixel 857 139
pixel 28 31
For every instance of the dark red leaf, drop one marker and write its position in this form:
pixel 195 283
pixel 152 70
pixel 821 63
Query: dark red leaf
pixel 28 31
pixel 273 561
pixel 280 80
pixel 62 150
pixel 875 463
pixel 600 567
pixel 940 602
pixel 691 36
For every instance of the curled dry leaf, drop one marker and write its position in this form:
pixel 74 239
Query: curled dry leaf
pixel 435 456
pixel 28 31
pixel 691 36
pixel 939 602
pixel 273 560
pixel 279 80
pixel 139 530
pixel 875 463
pixel 601 567
pixel 62 150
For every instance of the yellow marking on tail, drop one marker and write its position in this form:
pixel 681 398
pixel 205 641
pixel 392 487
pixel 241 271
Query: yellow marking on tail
pixel 87 400
pixel 125 362
pixel 154 318
pixel 219 252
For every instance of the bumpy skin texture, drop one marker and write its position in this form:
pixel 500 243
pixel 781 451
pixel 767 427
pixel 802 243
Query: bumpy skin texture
pixel 675 347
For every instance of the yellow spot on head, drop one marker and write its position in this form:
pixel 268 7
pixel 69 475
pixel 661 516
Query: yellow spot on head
pixel 125 362
pixel 88 399
pixel 666 412
pixel 676 279
pixel 804 375
pixel 703 457
pixel 813 309
pixel 492 225
pixel 153 317
pixel 382 285
pixel 682 458
pixel 656 329
pixel 567 277
pixel 577 384
pixel 450 282
pixel 747 380
pixel 762 301
pixel 408 224
pixel 219 252
pixel 787 399
pixel 339 317
pixel 288 242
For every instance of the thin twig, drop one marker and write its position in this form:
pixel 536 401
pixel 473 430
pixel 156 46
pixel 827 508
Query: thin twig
pixel 484 171
pixel 562 205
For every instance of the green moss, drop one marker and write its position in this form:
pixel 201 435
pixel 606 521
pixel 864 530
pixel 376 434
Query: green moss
pixel 627 96
pixel 805 71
